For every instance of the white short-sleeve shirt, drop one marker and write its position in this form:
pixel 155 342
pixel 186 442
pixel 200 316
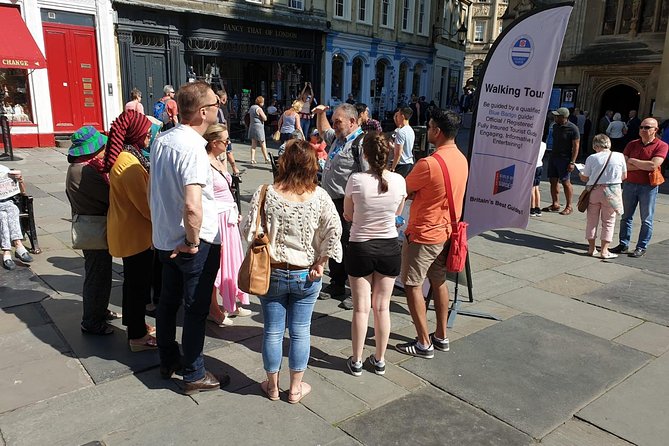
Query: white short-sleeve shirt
pixel 614 170
pixel 178 159
pixel 406 137
pixel 373 212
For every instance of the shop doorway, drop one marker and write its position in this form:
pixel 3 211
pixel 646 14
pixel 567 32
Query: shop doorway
pixel 621 99
pixel 74 80
pixel 150 75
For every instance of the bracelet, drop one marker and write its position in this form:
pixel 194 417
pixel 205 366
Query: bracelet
pixel 191 244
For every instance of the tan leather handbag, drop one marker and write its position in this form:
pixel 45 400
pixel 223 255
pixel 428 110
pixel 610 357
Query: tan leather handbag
pixel 655 177
pixel 253 276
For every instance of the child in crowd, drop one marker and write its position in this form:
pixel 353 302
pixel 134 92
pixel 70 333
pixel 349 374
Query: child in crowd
pixel 535 198
pixel 318 145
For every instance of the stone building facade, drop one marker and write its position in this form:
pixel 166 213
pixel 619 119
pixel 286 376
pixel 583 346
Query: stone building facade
pixel 484 25
pixel 613 58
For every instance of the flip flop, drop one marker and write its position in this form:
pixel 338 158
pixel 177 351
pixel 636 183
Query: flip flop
pixel 551 208
pixel 567 211
pixel 264 386
pixel 294 398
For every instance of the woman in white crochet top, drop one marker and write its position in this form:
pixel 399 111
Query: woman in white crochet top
pixel 304 231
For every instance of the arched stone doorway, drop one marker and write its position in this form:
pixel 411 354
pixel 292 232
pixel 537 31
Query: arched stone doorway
pixel 621 99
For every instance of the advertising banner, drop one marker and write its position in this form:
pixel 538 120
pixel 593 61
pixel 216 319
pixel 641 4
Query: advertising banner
pixel 513 97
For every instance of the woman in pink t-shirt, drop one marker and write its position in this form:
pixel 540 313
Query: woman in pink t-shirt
pixel 135 103
pixel 373 200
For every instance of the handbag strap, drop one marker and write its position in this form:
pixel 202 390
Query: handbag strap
pixel 603 169
pixel 262 217
pixel 449 190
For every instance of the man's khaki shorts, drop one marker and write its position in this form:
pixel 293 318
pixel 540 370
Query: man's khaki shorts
pixel 420 261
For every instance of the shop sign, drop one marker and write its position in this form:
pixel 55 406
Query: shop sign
pixel 260 31
pixel 18 63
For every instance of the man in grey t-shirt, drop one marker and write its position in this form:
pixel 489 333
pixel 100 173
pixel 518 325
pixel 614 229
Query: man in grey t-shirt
pixel 404 141
pixel 344 139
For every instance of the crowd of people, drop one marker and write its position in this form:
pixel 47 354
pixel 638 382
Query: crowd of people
pixel 172 219
pixel 617 159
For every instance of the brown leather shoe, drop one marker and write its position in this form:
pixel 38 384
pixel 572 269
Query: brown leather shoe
pixel 209 382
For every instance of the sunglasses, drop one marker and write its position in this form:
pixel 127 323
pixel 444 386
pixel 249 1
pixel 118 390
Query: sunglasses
pixel 224 141
pixel 645 127
pixel 215 104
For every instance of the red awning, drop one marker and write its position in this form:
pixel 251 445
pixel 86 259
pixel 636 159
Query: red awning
pixel 17 46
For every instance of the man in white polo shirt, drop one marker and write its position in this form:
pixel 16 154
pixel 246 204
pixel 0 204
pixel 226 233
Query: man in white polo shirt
pixel 185 233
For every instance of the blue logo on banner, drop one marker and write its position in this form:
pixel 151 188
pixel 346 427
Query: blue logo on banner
pixel 504 179
pixel 521 52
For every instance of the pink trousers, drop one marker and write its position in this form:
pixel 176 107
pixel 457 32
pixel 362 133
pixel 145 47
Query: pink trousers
pixel 600 209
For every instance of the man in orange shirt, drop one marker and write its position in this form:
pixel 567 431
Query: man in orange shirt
pixel 427 235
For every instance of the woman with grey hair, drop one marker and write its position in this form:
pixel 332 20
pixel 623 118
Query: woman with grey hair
pixel 609 170
pixel 617 130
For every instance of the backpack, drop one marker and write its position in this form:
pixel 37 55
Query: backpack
pixel 160 112
pixel 355 150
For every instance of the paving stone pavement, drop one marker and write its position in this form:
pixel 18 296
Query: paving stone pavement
pixel 579 357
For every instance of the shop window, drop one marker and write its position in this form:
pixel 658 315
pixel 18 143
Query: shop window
pixel 337 77
pixel 296 4
pixel 625 16
pixel 417 77
pixel 356 78
pixel 15 95
pixel 388 13
pixel 407 15
pixel 402 82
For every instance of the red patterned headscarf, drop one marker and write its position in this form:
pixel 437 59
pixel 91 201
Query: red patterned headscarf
pixel 129 129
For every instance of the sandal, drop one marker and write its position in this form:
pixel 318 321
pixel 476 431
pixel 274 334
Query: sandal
pixel 294 398
pixel 567 211
pixel 551 208
pixel 145 343
pixel 272 395
pixel 111 315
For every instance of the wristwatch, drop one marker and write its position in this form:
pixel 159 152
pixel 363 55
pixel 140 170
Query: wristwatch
pixel 191 244
pixel 571 163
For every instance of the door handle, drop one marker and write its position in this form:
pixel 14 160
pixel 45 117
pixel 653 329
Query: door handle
pixel 150 81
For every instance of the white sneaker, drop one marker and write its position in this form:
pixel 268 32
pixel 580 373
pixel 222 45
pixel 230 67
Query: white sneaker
pixel 242 312
pixel 221 323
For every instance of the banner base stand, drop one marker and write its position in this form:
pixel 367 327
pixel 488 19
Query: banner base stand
pixel 454 309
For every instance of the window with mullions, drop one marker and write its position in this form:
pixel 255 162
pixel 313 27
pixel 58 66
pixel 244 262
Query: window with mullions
pixel 388 13
pixel 407 15
pixel 624 16
pixel 423 14
pixel 342 9
pixel 365 11
pixel 296 4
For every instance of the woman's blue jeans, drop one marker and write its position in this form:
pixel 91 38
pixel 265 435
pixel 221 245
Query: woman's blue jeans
pixel 289 302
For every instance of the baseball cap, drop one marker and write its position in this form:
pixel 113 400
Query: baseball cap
pixel 562 111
